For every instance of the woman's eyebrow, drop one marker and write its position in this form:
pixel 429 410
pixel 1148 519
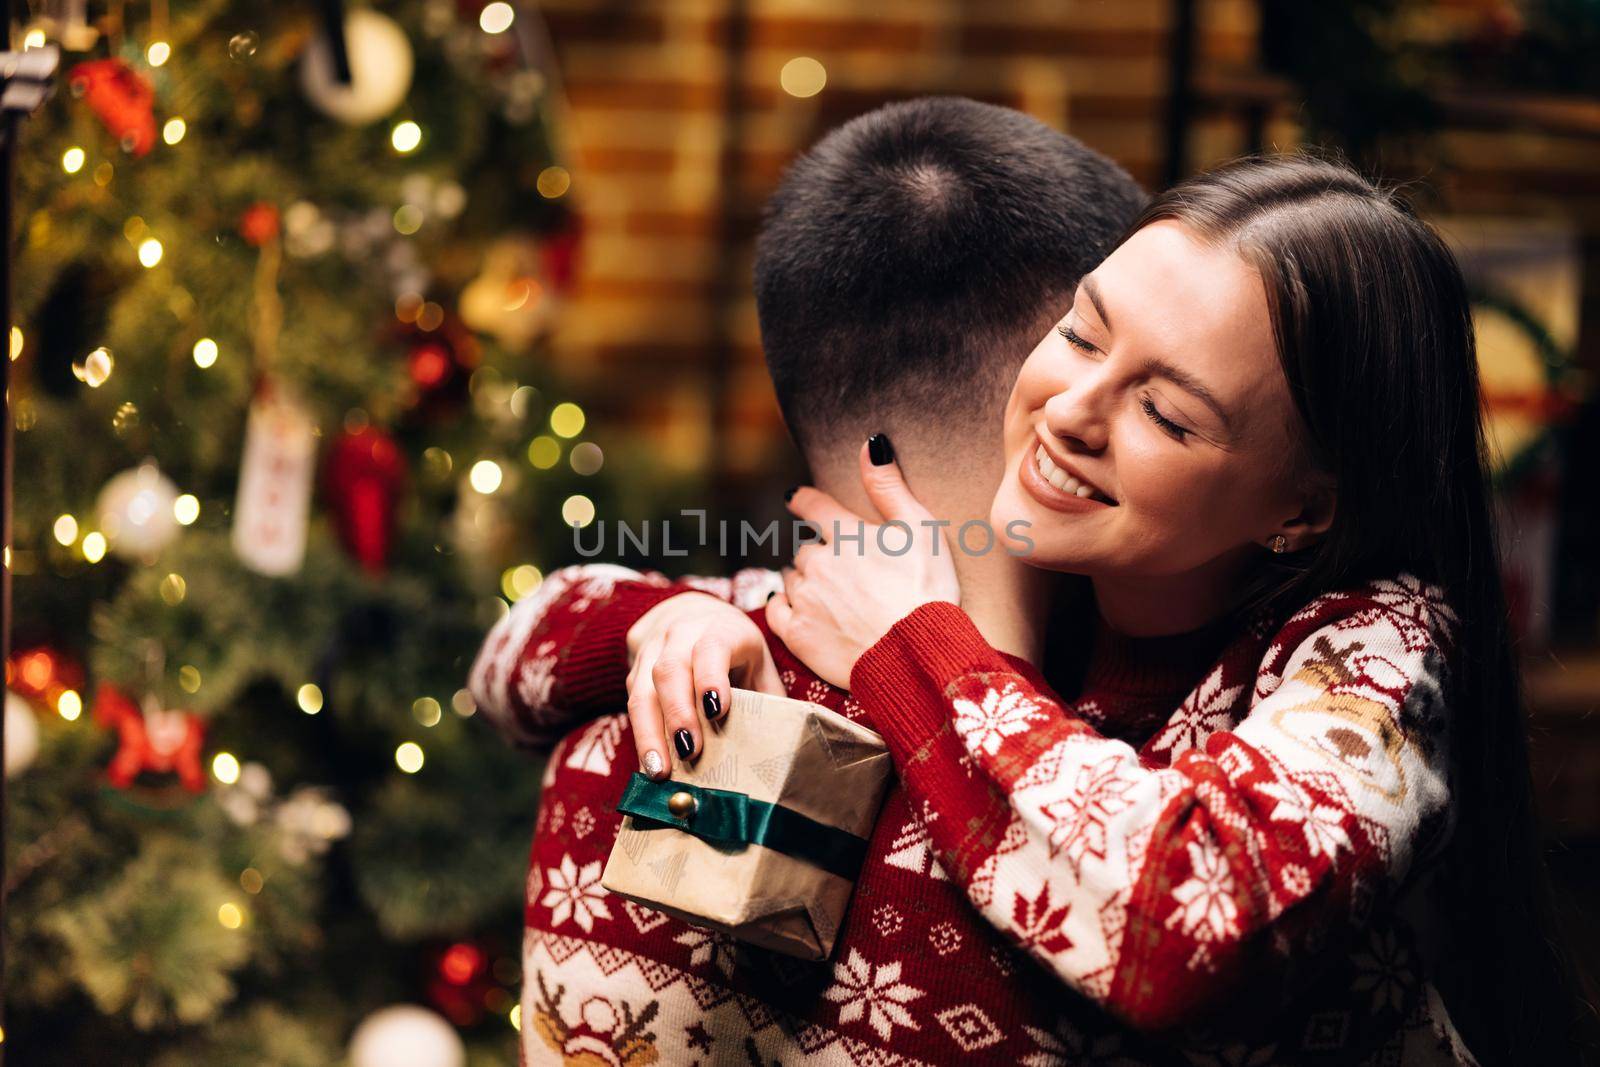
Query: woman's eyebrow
pixel 1092 291
pixel 1184 380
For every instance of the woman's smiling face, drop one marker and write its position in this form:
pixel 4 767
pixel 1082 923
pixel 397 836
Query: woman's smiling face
pixel 1161 389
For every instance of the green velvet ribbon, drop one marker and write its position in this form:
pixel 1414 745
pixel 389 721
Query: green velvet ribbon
pixel 735 820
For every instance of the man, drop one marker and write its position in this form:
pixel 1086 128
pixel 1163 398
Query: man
pixel 906 266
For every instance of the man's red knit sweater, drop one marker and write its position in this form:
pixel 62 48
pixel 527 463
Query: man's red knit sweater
pixel 1053 883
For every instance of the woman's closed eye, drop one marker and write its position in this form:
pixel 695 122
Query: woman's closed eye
pixel 1073 339
pixel 1177 432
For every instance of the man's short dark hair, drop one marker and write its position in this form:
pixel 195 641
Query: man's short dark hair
pixel 915 255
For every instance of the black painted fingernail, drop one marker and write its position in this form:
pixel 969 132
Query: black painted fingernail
pixel 793 489
pixel 683 741
pixel 771 595
pixel 879 450
pixel 712 703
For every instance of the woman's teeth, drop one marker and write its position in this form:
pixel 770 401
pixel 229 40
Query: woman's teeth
pixel 1062 480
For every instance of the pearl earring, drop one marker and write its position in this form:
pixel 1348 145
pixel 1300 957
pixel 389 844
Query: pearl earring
pixel 1279 542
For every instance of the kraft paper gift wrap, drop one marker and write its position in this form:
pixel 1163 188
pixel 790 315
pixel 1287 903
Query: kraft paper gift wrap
pixel 786 795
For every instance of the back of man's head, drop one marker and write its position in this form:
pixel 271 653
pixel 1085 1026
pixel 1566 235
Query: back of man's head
pixel 909 262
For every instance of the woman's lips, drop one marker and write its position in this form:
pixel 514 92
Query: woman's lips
pixel 1038 485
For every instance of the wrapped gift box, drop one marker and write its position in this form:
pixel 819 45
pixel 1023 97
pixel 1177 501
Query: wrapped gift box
pixel 762 835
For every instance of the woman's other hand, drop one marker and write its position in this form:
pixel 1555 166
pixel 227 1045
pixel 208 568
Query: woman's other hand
pixel 683 653
pixel 841 597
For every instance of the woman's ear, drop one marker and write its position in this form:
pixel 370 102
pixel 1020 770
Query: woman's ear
pixel 1315 516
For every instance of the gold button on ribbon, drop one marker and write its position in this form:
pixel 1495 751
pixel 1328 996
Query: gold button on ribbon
pixel 681 805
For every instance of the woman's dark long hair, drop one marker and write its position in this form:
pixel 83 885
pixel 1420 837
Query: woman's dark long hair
pixel 1375 336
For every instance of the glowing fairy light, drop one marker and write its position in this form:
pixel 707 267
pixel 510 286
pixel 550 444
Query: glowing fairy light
pixel 406 136
pixel 567 419
pixel 69 705
pixel 93 546
pixel 408 757
pixel 486 476
pixel 496 17
pixel 577 510
pixel 225 767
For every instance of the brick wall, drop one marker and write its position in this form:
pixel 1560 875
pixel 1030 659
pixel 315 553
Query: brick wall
pixel 661 335
pixel 662 329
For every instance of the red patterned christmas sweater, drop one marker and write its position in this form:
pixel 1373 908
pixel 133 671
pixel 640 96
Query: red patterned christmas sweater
pixel 1218 853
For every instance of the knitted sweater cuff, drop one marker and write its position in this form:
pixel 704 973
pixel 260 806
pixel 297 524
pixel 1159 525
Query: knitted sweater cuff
pixel 594 667
pixel 901 680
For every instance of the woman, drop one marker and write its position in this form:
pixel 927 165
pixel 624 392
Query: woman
pixel 1257 428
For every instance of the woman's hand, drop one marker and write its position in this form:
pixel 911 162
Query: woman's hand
pixel 843 596
pixel 683 653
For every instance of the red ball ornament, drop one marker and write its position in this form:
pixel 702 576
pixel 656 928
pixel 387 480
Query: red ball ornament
pixel 154 739
pixel 366 473
pixel 41 674
pixel 431 365
pixel 121 99
pixel 439 363
pixel 259 223
pixel 460 982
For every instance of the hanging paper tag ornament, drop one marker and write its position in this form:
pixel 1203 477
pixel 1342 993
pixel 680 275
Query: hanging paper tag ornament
pixel 275 480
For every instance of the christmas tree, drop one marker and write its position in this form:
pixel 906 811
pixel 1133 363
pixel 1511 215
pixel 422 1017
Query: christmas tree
pixel 283 288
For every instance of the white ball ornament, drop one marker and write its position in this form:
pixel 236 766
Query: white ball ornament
pixel 22 735
pixel 135 512
pixel 380 70
pixel 405 1035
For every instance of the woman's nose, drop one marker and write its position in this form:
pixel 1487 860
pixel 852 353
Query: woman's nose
pixel 1078 411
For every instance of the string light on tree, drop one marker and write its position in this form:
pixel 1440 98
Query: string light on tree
pixel 150 252
pixel 309 698
pixel 406 136
pixel 408 757
pixel 65 529
pixel 174 130
pixel 186 509
pixel 93 546
pixel 496 17
pixel 567 419
pixel 205 353
pixel 72 160
pixel 553 182
pixel 486 476
pixel 95 368
pixel 158 53
pixel 426 711
pixel 69 705
pixel 225 768
pixel 16 343
pixel 577 510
